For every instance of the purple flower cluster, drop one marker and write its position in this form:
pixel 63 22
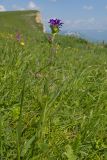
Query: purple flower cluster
pixel 18 36
pixel 55 23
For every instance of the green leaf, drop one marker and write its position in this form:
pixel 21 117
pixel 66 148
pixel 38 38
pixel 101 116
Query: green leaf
pixel 69 153
pixel 27 146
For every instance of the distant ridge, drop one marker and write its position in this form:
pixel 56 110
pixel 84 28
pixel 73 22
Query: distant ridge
pixel 92 35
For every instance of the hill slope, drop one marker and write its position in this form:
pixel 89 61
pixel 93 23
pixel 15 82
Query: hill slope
pixel 19 20
pixel 53 105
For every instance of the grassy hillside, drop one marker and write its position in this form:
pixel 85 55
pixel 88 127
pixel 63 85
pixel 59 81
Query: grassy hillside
pixel 52 107
pixel 22 20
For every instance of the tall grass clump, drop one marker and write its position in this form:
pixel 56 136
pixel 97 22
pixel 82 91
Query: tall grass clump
pixel 51 110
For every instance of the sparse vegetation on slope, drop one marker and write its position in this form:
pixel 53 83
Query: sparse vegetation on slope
pixel 56 111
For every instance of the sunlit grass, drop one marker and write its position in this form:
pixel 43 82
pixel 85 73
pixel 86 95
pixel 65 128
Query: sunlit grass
pixel 55 111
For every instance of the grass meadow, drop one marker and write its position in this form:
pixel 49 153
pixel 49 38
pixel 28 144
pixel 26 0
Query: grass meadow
pixel 50 111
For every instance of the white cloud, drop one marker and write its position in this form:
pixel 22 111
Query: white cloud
pixel 91 20
pixel 86 7
pixel 2 8
pixel 80 23
pixel 15 7
pixel 32 5
pixel 21 9
pixel 84 22
pixel 100 31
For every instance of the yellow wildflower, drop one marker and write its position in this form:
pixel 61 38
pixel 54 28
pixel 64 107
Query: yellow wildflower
pixel 22 43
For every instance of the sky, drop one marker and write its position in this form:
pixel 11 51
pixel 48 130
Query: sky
pixel 75 14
